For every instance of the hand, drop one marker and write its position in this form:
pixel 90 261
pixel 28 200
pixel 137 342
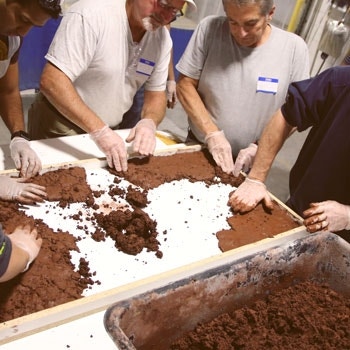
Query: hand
pixel 248 195
pixel 221 150
pixel 245 159
pixel 171 93
pixel 12 189
pixel 26 239
pixel 113 146
pixel 328 215
pixel 26 160
pixel 144 137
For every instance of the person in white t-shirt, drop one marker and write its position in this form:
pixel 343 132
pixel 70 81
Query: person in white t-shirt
pixel 102 53
pixel 234 74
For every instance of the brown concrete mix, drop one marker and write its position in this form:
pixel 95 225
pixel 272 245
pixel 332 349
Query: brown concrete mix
pixel 51 279
pixel 305 316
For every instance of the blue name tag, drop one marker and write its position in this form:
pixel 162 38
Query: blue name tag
pixel 268 85
pixel 145 67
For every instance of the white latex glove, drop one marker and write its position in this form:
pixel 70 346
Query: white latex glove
pixel 26 239
pixel 327 215
pixel 245 159
pixel 171 93
pixel 113 146
pixel 144 137
pixel 26 160
pixel 248 195
pixel 12 189
pixel 221 150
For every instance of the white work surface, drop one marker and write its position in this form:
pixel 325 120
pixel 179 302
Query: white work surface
pixel 68 149
pixel 79 325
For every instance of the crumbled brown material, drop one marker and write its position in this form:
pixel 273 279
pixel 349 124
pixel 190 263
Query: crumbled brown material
pixel 52 279
pixel 304 316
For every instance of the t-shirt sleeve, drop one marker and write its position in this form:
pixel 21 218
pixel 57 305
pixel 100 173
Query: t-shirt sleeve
pixel 192 61
pixel 5 251
pixel 73 46
pixel 308 101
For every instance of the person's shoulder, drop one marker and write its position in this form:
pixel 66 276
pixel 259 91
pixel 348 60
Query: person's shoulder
pixel 286 35
pixel 87 7
pixel 212 20
pixel 339 75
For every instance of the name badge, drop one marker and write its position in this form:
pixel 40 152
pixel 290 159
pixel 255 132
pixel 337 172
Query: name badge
pixel 145 67
pixel 268 85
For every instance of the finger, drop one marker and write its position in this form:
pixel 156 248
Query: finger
pixel 131 135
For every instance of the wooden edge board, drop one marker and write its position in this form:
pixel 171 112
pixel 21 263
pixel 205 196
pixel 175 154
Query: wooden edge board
pixel 68 312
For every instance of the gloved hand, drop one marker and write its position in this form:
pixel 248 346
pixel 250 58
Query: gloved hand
pixel 12 189
pixel 171 93
pixel 328 215
pixel 248 195
pixel 26 160
pixel 144 137
pixel 113 146
pixel 245 159
pixel 221 150
pixel 26 239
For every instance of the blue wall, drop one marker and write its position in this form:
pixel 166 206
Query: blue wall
pixel 32 55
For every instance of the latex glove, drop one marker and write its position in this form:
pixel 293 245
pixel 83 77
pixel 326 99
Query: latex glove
pixel 248 195
pixel 221 150
pixel 144 137
pixel 171 93
pixel 113 146
pixel 245 159
pixel 26 160
pixel 12 189
pixel 329 215
pixel 26 239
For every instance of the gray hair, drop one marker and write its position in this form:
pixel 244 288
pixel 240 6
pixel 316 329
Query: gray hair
pixel 265 5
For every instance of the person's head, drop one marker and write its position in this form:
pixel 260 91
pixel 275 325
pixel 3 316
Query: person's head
pixel 248 19
pixel 157 13
pixel 17 17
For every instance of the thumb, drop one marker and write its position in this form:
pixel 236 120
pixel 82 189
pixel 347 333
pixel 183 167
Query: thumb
pixel 237 168
pixel 268 203
pixel 131 135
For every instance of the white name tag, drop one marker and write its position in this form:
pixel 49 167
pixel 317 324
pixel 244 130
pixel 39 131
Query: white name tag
pixel 145 67
pixel 268 85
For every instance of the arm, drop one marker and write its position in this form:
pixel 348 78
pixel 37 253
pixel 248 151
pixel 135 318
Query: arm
pixel 25 248
pixel 193 104
pixel 60 91
pixel 10 100
pixel 253 190
pixel 218 145
pixel 171 83
pixel 25 159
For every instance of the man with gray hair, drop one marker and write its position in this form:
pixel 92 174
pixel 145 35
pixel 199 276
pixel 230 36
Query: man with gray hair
pixel 235 73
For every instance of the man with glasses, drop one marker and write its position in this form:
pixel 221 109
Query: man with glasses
pixel 102 53
pixel 235 73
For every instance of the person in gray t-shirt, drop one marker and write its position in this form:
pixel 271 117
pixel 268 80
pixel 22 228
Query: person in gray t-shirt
pixel 234 74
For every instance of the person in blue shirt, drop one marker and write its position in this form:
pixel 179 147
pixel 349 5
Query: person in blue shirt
pixel 319 180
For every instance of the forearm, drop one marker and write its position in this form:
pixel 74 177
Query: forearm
pixel 271 141
pixel 154 106
pixel 18 261
pixel 11 111
pixel 61 93
pixel 193 105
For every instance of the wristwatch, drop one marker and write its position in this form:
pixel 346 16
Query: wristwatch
pixel 20 133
